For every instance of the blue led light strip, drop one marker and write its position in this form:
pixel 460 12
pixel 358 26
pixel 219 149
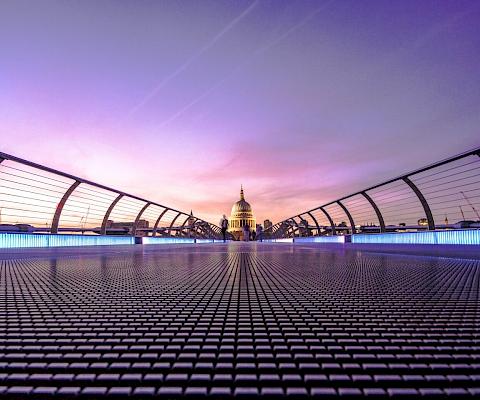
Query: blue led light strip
pixel 461 237
pixel 166 240
pixel 15 240
pixel 320 239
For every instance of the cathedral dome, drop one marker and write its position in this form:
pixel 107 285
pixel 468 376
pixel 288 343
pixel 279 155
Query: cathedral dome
pixel 241 206
pixel 241 215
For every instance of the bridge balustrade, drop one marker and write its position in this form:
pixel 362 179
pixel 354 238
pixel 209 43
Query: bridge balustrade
pixel 440 196
pixel 36 198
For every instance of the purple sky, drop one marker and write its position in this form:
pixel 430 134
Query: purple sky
pixel 182 101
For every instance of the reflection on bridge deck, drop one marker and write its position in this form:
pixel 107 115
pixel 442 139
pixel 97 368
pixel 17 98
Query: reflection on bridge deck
pixel 243 319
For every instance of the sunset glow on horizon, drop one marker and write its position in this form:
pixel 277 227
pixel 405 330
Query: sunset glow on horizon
pixel 180 103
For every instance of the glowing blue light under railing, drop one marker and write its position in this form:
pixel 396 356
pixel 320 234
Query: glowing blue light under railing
pixel 166 240
pixel 282 240
pixel 15 240
pixel 458 237
pixel 210 241
pixel 204 241
pixel 320 239
pixel 23 240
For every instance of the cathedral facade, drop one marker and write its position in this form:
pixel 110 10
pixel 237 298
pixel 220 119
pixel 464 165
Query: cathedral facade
pixel 240 216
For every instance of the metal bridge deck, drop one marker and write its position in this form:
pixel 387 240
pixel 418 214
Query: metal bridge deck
pixel 241 320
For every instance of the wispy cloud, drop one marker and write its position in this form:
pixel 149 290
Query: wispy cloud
pixel 192 59
pixel 248 60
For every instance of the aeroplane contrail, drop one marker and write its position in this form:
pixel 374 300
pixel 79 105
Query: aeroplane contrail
pixel 192 58
pixel 254 54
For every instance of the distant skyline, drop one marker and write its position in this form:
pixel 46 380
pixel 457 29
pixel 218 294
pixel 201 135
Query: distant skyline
pixel 181 102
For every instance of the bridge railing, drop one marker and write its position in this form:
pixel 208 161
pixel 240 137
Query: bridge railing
pixel 36 198
pixel 443 195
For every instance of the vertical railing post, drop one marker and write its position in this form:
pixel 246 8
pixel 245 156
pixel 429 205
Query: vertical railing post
pixel 334 232
pixel 137 220
pixel 315 221
pixel 103 229
pixel 349 216
pixel 171 225
pixel 183 225
pixel 423 202
pixel 155 227
pixel 60 205
pixel 377 211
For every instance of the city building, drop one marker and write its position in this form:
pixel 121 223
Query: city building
pixel 240 216
pixel 267 228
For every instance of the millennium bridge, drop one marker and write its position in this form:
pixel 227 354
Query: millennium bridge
pixel 109 295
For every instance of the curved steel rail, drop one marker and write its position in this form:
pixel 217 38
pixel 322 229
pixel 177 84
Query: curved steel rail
pixel 30 193
pixel 447 189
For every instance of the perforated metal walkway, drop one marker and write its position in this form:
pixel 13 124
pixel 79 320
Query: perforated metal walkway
pixel 241 320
